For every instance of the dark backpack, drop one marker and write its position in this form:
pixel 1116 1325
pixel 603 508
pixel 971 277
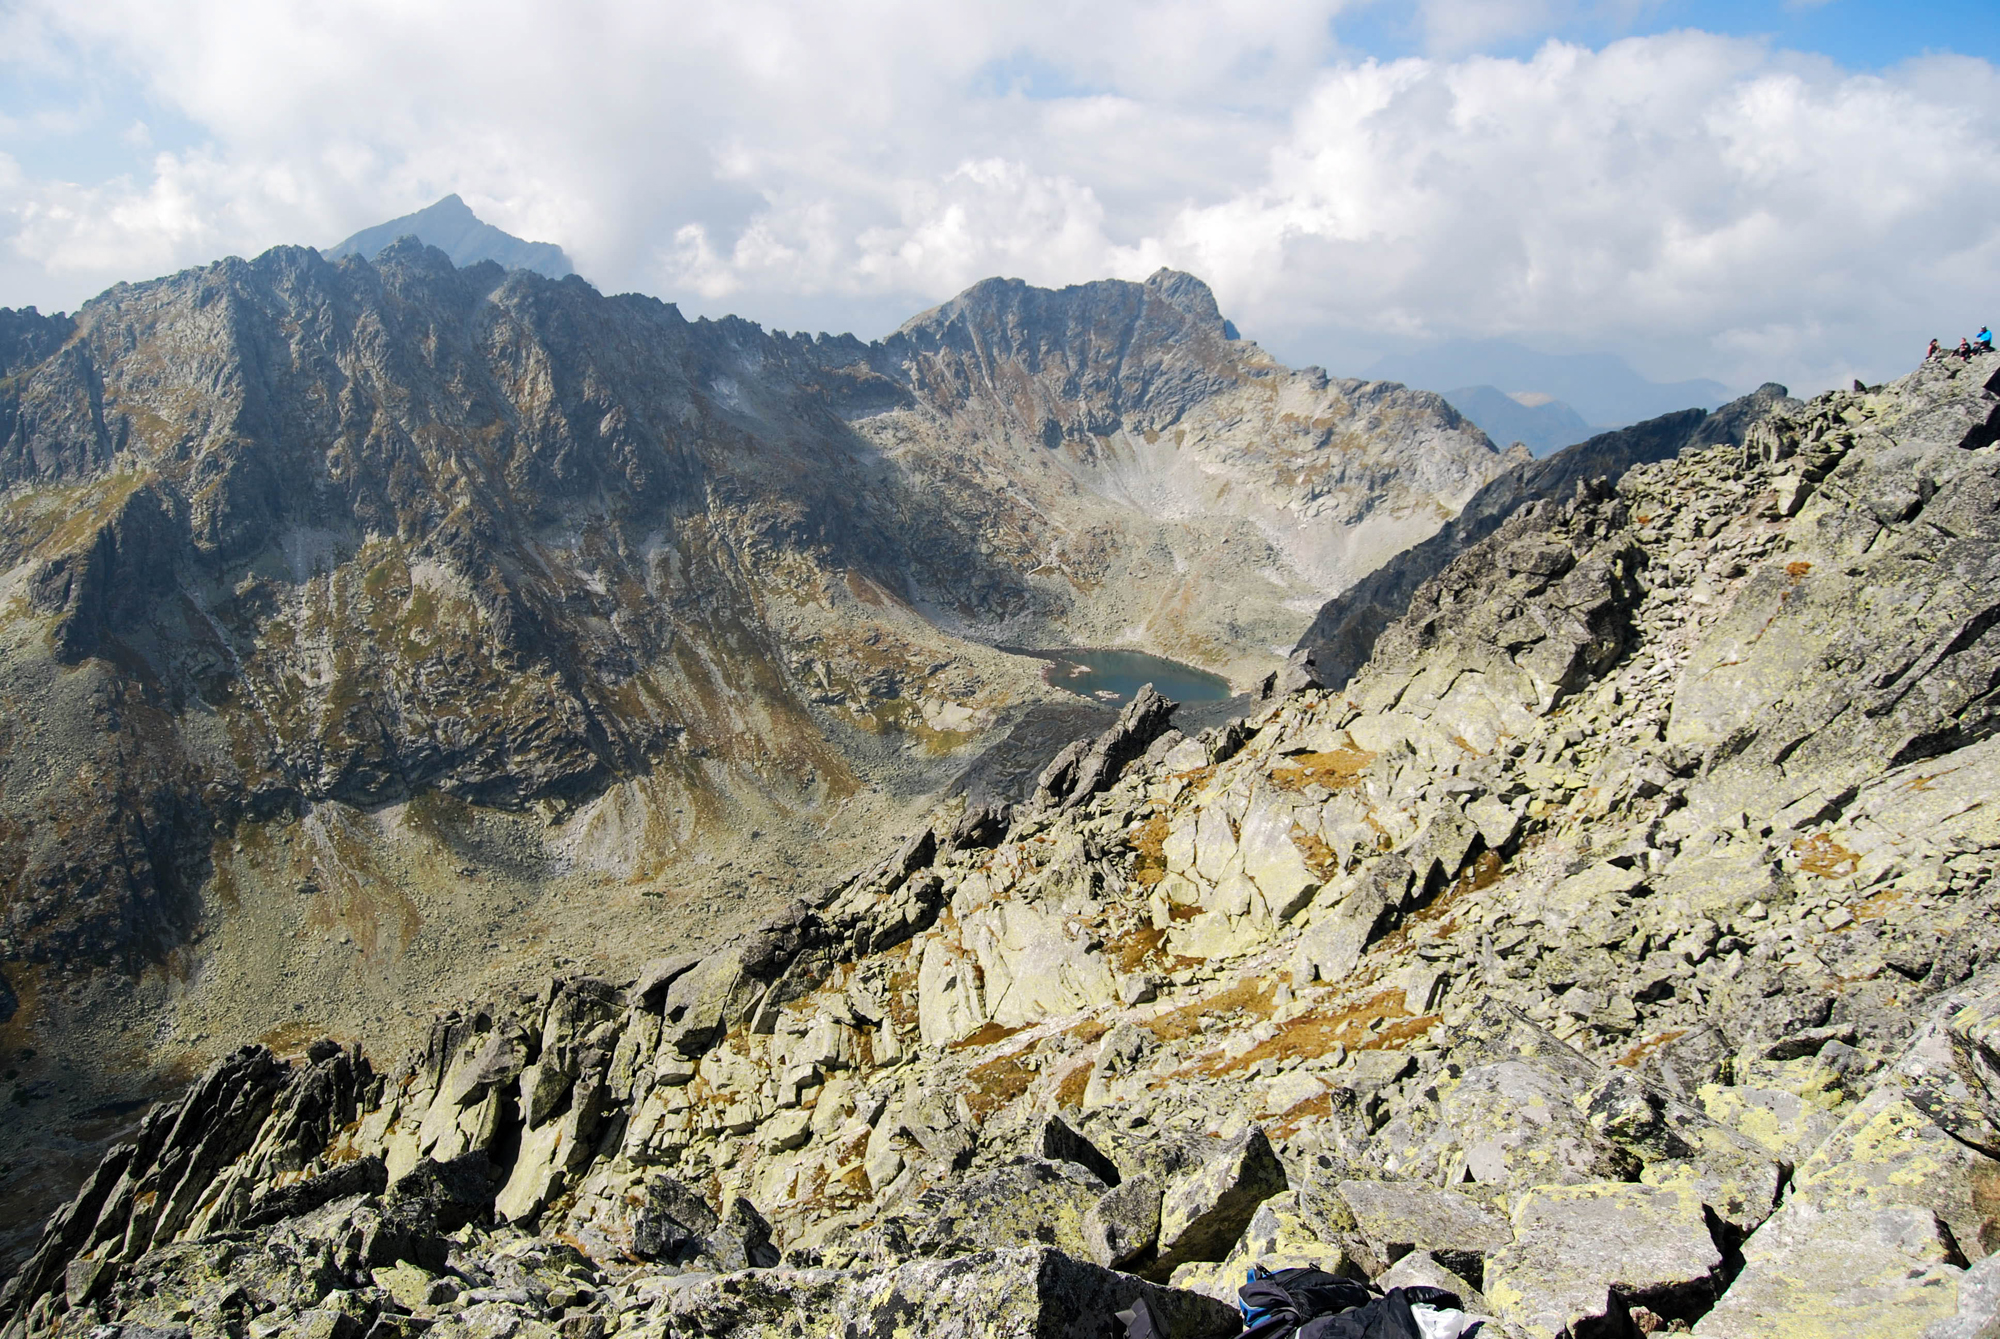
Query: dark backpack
pixel 1276 1305
pixel 1387 1317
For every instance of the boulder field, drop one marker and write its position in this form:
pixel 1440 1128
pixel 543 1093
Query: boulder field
pixel 1614 949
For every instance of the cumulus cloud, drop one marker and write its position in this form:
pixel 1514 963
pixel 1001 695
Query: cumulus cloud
pixel 1707 206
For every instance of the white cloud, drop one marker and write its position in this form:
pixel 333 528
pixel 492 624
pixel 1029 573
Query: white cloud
pixel 1704 205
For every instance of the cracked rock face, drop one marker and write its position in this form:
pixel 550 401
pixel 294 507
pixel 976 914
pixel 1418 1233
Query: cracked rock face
pixel 1616 944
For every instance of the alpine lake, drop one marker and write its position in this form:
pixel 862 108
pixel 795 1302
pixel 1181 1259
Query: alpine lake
pixel 1112 677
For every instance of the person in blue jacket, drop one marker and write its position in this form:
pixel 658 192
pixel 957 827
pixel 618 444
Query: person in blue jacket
pixel 1984 339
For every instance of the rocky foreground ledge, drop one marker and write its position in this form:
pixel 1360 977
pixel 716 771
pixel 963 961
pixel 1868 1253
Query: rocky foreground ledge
pixel 1613 951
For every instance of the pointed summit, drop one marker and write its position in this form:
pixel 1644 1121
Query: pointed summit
pixel 452 227
pixel 1192 296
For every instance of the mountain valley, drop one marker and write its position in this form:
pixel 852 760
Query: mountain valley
pixel 1613 949
pixel 379 632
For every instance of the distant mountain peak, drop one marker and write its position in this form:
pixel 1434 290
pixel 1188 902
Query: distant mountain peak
pixel 452 227
pixel 1539 420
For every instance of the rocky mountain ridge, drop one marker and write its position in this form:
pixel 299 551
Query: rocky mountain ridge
pixel 1614 950
pixel 1343 633
pixel 375 629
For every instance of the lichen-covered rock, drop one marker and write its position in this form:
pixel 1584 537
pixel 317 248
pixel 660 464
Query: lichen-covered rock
pixel 1421 1269
pixel 1288 1231
pixel 1124 1224
pixel 1584 1255
pixel 1347 917
pixel 1026 1200
pixel 1978 1304
pixel 1519 1125
pixel 1839 1272
pixel 1975 1042
pixel 1398 1217
pixel 1204 1211
pixel 1019 1294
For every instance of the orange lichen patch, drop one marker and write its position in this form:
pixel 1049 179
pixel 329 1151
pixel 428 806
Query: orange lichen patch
pixel 989 1034
pixel 1292 1121
pixel 1251 996
pixel 1879 905
pixel 1320 858
pixel 849 1150
pixel 1305 1037
pixel 1377 1023
pixel 1333 769
pixel 1070 1089
pixel 843 1187
pixel 1131 951
pixel 343 1148
pixel 866 591
pixel 289 1040
pixel 1400 1033
pixel 1436 915
pixel 1798 569
pixel 1088 1031
pixel 1820 854
pixel 1149 844
pixel 1146 946
pixel 900 996
pixel 999 1081
pixel 1636 1055
pixel 1356 1026
pixel 1383 837
pixel 1483 872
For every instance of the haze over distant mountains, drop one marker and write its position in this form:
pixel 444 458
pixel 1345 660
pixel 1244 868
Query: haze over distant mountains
pixel 452 227
pixel 1539 421
pixel 1547 400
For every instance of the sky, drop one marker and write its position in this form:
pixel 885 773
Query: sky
pixel 1792 190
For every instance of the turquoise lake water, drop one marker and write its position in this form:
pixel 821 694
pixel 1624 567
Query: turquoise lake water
pixel 1114 676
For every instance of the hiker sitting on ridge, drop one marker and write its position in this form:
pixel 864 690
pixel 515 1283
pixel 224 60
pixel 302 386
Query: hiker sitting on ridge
pixel 1933 352
pixel 1964 350
pixel 1983 341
